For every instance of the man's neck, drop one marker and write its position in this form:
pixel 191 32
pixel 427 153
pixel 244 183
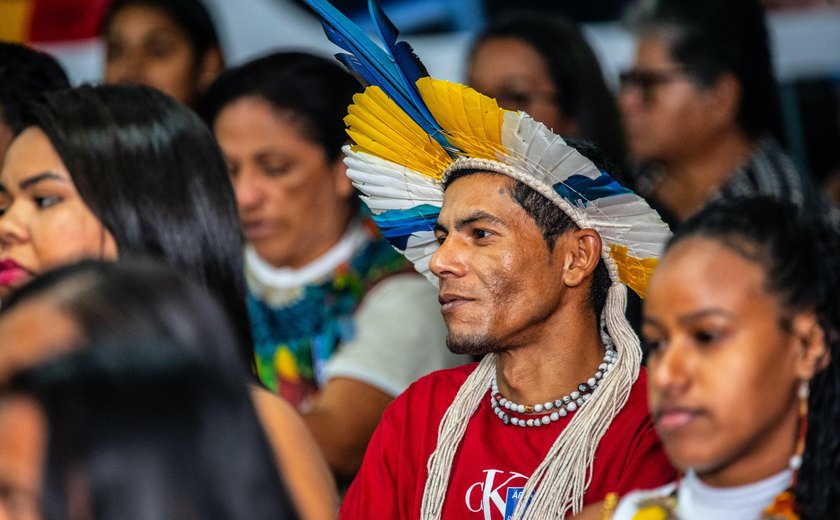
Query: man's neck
pixel 554 363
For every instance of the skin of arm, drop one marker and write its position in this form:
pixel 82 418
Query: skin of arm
pixel 305 473
pixel 342 420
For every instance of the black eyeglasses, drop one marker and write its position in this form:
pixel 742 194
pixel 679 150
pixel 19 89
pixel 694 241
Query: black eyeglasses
pixel 646 80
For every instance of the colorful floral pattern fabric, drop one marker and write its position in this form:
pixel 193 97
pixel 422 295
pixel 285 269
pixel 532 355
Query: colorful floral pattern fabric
pixel 299 330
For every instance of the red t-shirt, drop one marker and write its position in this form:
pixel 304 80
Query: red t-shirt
pixel 494 460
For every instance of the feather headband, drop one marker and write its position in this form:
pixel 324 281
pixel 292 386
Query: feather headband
pixel 412 131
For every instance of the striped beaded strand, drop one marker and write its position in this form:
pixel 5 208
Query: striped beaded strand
pixel 562 407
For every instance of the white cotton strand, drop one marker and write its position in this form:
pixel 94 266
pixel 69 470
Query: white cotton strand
pixel 450 433
pixel 564 475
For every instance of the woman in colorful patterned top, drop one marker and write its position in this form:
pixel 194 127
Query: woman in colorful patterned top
pixel 741 320
pixel 341 324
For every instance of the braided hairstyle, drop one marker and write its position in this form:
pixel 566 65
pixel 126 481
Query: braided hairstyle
pixel 799 256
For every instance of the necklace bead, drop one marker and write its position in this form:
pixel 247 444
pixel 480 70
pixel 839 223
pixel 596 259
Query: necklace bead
pixel 561 407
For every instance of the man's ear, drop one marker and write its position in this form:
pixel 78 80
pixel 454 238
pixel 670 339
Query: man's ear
pixel 813 353
pixel 581 256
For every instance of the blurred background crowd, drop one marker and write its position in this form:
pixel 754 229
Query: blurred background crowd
pixel 271 285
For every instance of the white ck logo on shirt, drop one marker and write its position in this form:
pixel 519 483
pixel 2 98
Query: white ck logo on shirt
pixel 492 491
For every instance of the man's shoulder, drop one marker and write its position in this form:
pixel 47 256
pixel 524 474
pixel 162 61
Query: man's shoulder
pixel 416 413
pixel 637 402
pixel 441 383
pixel 433 392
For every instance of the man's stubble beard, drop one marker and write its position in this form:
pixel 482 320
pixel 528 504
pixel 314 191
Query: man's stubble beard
pixel 474 344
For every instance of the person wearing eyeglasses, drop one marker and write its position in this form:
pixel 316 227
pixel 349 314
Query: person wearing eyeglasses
pixel 701 108
pixel 545 67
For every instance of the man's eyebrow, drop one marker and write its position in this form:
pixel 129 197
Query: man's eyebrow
pixel 477 216
pixel 35 179
pixel 472 218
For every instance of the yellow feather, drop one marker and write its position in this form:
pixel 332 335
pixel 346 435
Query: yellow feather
pixel 360 126
pixel 378 97
pixel 472 121
pixel 634 272
pixel 379 127
pixel 414 161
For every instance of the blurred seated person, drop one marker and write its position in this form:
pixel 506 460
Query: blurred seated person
pixel 545 67
pixel 340 321
pixel 100 172
pixel 25 74
pixel 702 109
pixel 138 302
pixel 134 432
pixel 170 45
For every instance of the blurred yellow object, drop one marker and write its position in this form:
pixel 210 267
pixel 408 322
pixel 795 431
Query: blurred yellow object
pixel 15 17
pixel 285 365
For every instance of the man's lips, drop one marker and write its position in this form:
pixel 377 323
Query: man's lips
pixel 449 302
pixel 12 273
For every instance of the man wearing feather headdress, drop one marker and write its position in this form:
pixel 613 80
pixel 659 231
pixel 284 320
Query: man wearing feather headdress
pixel 533 246
pixel 553 402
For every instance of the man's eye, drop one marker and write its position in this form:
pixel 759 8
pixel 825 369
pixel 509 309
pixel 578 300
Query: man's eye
pixel 482 233
pixel 440 238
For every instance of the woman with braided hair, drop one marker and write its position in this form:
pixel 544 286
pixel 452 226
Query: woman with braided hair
pixel 741 321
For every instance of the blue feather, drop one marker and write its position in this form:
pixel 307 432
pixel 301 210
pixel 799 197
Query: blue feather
pixel 372 76
pixel 396 73
pixel 397 225
pixel 343 32
pixel 352 64
pixel 408 64
pixel 579 189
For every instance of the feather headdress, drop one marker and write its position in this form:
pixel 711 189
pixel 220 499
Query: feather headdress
pixel 412 131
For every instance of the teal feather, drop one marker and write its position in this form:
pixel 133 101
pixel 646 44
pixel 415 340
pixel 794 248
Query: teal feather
pixel 408 64
pixel 398 225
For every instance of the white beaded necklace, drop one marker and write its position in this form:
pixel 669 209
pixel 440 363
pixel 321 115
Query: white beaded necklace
pixel 554 410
